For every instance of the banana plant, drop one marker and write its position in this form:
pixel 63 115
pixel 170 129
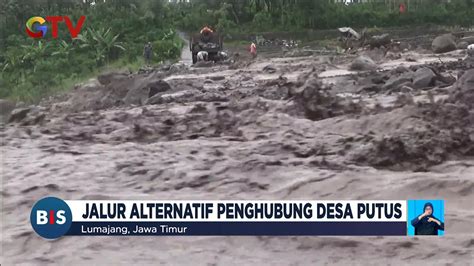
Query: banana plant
pixel 99 55
pixel 12 62
pixel 110 43
pixel 84 39
pixel 64 50
pixel 33 52
pixel 103 41
pixel 168 35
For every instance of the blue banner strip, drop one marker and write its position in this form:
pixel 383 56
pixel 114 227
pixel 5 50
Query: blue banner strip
pixel 240 228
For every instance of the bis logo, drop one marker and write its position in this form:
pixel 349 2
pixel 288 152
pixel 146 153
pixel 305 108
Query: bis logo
pixel 51 217
pixel 36 26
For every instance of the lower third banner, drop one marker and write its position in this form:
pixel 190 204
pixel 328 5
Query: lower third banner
pixel 52 218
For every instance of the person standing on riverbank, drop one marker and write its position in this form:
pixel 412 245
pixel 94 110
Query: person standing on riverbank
pixel 253 50
pixel 402 8
pixel 147 53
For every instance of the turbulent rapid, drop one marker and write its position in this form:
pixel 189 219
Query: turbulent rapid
pixel 280 128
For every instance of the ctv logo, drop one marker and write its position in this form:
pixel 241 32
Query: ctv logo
pixel 51 217
pixel 36 26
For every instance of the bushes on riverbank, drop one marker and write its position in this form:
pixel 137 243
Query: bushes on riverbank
pixel 113 34
pixel 258 16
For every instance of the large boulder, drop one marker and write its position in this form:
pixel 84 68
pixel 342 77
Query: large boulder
pixel 376 54
pixel 142 88
pixel 318 102
pixel 444 43
pixel 395 82
pixel 423 77
pixel 19 114
pixel 176 68
pixel 363 63
pixel 468 39
pixel 120 89
pixel 462 45
pixel 107 78
pixel 380 40
pixel 464 89
pixel 85 97
pixel 315 100
pixel 27 116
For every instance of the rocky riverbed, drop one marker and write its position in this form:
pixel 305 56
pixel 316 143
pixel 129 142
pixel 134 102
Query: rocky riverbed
pixel 375 125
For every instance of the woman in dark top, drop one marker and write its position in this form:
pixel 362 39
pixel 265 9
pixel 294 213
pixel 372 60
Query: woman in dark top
pixel 426 223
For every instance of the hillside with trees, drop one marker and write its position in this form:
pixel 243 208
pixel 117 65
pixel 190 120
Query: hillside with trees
pixel 115 31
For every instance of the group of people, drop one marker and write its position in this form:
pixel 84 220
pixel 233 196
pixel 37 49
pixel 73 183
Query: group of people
pixel 202 55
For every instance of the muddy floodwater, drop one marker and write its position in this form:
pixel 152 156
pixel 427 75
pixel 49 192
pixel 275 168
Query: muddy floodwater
pixel 280 128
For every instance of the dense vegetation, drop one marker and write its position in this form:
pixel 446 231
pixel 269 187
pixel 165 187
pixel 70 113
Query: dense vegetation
pixel 116 30
pixel 113 35
pixel 235 16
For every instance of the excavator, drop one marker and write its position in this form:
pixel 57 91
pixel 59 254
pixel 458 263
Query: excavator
pixel 206 40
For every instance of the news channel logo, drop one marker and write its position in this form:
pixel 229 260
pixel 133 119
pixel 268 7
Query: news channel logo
pixel 425 217
pixel 51 217
pixel 36 30
pixel 36 27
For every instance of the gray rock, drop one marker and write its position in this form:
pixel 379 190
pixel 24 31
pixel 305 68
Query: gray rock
pixel 380 40
pixel 411 58
pixel 156 99
pixel 269 69
pixel 406 89
pixel 20 104
pixel 181 96
pixel 299 53
pixel 393 56
pixel 137 96
pixel 444 43
pixel 31 115
pixel 462 45
pixel 147 70
pixel 423 78
pixel 401 69
pixel 394 82
pixel 401 87
pixel 371 88
pixel 144 88
pixel 376 54
pixel 466 82
pixel 405 46
pixel 468 39
pixel 464 89
pixel 363 63
pixel 107 78
pixel 175 68
pixel 18 114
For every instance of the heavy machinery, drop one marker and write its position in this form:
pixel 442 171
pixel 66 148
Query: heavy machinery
pixel 211 42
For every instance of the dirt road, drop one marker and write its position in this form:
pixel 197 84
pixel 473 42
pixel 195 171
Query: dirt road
pixel 186 55
pixel 279 128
